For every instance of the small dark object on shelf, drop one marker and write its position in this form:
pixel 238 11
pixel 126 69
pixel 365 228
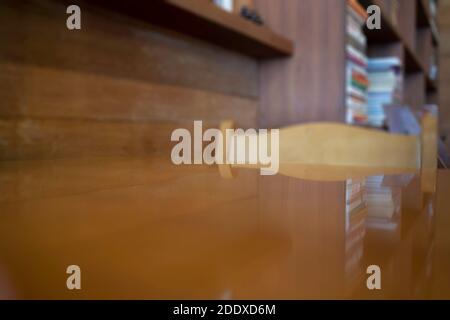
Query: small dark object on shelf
pixel 251 15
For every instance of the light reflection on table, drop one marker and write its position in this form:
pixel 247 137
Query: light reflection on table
pixel 143 228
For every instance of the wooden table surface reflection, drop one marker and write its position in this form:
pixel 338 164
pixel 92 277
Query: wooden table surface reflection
pixel 144 228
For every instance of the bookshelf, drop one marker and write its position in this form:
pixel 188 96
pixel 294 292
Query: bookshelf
pixel 297 65
pixel 203 20
pixel 410 28
pixel 407 33
pixel 425 19
pixel 290 70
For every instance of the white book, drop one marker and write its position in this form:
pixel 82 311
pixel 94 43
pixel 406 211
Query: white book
pixel 226 5
pixel 352 51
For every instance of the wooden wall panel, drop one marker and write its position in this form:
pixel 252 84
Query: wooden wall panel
pixel 118 46
pixel 72 94
pixel 309 86
pixel 444 73
pixel 118 86
pixel 407 21
pixel 414 90
pixel 25 138
pixel 424 47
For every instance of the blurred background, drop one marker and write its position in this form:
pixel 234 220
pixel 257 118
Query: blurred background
pixel 89 97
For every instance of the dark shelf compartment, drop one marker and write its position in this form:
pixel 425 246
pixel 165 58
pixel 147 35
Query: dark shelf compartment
pixel 389 33
pixel 424 19
pixel 203 20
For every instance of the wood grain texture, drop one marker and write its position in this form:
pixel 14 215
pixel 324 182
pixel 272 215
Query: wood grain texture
pixel 204 20
pixel 28 138
pixel 118 87
pixel 120 47
pixel 85 125
pixel 301 212
pixel 414 90
pixel 74 95
pixel 424 47
pixel 155 216
pixel 407 21
pixel 444 74
pixel 311 84
pixel 290 245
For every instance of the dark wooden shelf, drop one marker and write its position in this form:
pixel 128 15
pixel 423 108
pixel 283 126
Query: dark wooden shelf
pixel 424 19
pixel 203 20
pixel 431 85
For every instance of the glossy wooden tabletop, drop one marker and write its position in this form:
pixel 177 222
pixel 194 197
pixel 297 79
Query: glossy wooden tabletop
pixel 144 228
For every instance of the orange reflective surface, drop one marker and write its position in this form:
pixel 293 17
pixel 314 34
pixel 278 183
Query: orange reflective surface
pixel 144 228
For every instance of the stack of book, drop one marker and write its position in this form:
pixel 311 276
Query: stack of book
pixel 383 205
pixel 355 225
pixel 357 81
pixel 385 87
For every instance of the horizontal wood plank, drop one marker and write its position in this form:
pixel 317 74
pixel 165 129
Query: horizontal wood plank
pixel 34 32
pixel 28 139
pixel 30 91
